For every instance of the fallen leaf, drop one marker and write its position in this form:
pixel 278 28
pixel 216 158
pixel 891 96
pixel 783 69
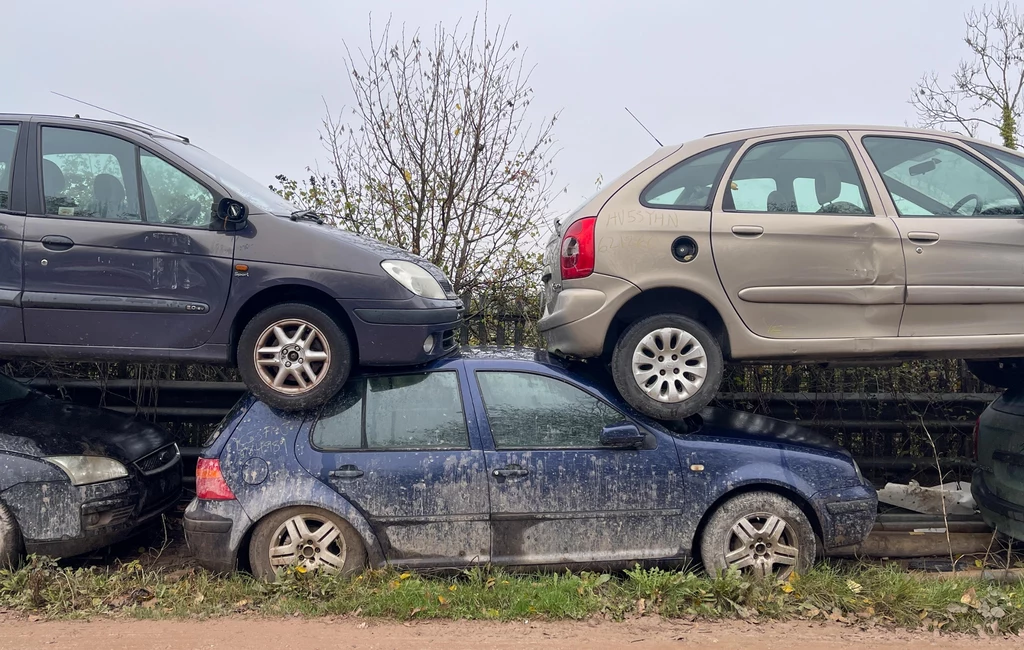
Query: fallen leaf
pixel 200 598
pixel 452 588
pixel 415 611
pixel 786 587
pixel 970 598
pixel 441 600
pixel 853 586
pixel 405 576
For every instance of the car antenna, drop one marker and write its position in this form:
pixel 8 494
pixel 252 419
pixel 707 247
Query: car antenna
pixel 107 110
pixel 642 125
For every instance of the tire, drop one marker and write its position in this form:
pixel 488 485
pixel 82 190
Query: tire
pixel 345 548
pixel 1000 373
pixel 756 551
pixel 317 333
pixel 10 539
pixel 649 334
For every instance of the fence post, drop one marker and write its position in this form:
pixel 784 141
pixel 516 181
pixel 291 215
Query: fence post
pixel 499 332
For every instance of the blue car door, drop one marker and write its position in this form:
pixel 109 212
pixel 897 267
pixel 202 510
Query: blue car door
pixel 557 495
pixel 401 449
pixel 12 225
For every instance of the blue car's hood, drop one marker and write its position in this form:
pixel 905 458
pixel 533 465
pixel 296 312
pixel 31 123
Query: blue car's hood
pixel 748 426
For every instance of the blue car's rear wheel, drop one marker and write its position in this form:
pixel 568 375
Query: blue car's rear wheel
pixel 293 356
pixel 307 537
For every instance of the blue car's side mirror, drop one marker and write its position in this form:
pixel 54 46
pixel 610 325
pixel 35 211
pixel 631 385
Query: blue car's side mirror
pixel 623 436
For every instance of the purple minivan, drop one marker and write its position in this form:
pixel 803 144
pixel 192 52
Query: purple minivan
pixel 123 242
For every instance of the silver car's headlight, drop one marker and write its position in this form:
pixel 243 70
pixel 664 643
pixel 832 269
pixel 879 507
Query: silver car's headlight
pixel 414 278
pixel 83 470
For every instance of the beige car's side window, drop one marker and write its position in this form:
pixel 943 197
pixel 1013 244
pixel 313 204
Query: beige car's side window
pixel 690 184
pixel 807 175
pixel 934 179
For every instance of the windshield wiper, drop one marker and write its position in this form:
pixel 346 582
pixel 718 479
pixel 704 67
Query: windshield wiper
pixel 308 215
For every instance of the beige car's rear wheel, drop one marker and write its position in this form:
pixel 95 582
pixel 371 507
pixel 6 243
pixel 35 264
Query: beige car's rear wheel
pixel 667 366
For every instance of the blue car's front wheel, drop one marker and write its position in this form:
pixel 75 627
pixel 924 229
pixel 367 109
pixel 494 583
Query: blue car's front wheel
pixel 759 533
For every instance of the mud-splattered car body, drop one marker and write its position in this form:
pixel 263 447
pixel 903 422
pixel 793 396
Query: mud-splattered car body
pixel 511 492
pixel 76 479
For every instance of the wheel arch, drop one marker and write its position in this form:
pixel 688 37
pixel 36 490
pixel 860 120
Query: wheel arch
pixel 761 485
pixel 290 292
pixel 344 510
pixel 667 300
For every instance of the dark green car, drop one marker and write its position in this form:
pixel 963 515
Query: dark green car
pixel 998 483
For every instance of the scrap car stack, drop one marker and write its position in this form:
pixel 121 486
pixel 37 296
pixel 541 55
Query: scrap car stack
pixel 370 437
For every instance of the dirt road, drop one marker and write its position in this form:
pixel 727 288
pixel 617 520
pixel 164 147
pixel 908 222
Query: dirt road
pixel 647 634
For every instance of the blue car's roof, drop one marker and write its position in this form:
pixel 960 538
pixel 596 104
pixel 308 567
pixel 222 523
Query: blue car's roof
pixel 737 425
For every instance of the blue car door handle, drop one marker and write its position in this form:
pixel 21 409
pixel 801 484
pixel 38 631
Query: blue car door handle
pixel 346 471
pixel 511 472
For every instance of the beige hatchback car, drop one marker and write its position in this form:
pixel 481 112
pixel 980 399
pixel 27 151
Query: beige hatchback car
pixel 792 244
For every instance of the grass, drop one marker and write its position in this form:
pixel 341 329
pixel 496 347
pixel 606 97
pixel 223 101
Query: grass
pixel 865 595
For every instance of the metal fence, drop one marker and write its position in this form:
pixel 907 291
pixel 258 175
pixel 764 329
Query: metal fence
pixel 896 420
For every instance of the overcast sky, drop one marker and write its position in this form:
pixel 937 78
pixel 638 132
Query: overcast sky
pixel 244 78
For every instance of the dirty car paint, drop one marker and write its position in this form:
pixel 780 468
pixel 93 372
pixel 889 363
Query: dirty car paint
pixel 447 508
pixel 56 517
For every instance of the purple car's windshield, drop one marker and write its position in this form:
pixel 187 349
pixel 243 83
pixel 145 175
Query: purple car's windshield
pixel 259 197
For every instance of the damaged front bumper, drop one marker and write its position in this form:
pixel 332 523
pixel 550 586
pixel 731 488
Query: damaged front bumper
pixel 846 515
pixel 59 519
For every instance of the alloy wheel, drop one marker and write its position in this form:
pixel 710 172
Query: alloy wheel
pixel 292 356
pixel 309 541
pixel 763 544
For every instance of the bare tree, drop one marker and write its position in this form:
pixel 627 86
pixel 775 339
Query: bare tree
pixel 986 90
pixel 440 157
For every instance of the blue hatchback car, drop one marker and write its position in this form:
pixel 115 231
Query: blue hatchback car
pixel 515 458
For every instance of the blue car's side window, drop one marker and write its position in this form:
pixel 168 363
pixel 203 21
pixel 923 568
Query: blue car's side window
pixel 418 411
pixel 528 411
pixel 341 421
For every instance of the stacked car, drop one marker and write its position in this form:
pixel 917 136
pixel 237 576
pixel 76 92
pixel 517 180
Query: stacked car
pixel 368 439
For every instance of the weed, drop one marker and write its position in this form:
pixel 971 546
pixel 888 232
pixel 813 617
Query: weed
pixel 873 595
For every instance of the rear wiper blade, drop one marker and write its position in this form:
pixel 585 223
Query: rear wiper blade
pixel 308 215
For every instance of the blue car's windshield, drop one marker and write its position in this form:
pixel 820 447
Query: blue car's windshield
pixel 259 197
pixel 11 391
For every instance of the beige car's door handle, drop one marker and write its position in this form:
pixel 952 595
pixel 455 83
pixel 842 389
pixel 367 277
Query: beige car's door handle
pixel 747 231
pixel 919 237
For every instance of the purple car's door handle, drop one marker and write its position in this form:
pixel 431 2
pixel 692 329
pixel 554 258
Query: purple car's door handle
pixel 57 243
